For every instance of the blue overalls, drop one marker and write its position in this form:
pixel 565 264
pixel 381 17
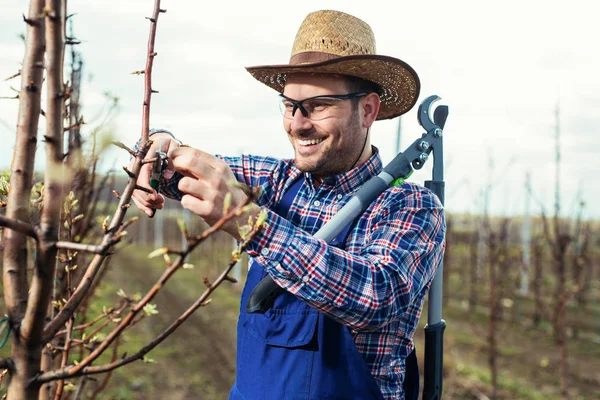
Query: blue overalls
pixel 294 352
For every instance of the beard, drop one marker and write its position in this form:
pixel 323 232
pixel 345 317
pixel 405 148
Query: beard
pixel 337 158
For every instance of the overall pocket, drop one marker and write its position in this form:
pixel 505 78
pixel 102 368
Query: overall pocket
pixel 276 349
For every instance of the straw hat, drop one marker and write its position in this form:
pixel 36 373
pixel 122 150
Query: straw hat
pixel 338 43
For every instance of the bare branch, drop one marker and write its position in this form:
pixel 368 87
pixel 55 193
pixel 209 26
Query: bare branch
pixel 13 76
pixel 108 240
pixel 109 315
pixel 143 189
pixel 100 388
pixel 202 301
pixel 128 172
pixel 127 320
pixel 122 146
pixel 75 125
pixel 148 72
pixel 31 21
pixel 19 226
pixel 65 358
pixel 88 248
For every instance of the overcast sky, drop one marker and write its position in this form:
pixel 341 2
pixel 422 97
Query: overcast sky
pixel 502 67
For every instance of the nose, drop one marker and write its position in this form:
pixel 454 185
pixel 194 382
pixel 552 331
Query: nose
pixel 299 122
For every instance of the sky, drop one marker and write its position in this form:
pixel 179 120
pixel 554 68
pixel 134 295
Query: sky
pixel 503 68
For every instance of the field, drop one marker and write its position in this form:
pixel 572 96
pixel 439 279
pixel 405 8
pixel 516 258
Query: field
pixel 198 361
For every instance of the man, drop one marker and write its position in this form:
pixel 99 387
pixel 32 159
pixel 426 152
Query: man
pixel 343 328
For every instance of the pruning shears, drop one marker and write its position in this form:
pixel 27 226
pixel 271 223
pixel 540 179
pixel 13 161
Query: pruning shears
pixel 159 165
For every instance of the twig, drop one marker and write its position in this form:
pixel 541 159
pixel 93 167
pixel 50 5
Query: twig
pixel 19 226
pixel 65 358
pixel 89 248
pixel 143 189
pixel 94 266
pixel 122 146
pixel 154 290
pixel 100 388
pixel 81 387
pixel 148 71
pixel 202 301
pixel 86 325
pixel 13 76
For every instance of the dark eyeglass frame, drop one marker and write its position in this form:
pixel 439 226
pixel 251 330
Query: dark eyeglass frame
pixel 298 103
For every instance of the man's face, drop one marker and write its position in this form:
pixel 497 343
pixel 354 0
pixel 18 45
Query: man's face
pixel 331 145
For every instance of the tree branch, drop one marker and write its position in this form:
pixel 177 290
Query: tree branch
pixel 108 240
pixel 148 72
pixel 19 226
pixel 202 301
pixel 21 178
pixel 13 76
pixel 100 388
pixel 43 279
pixel 89 248
pixel 124 147
pixel 127 320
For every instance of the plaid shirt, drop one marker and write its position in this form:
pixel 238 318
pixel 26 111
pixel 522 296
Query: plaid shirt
pixel 377 285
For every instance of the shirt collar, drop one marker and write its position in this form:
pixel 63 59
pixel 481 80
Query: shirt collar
pixel 350 181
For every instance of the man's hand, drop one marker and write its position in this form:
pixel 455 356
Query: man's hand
pixel 206 182
pixel 145 201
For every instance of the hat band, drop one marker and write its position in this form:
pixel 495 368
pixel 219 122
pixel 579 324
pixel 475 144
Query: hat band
pixel 310 57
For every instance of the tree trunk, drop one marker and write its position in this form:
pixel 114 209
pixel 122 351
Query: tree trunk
pixel 25 355
pixel 536 285
pixel 493 316
pixel 473 276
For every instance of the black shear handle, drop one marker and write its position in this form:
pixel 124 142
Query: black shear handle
pixel 263 296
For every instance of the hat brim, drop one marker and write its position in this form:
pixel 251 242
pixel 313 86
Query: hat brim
pixel 400 85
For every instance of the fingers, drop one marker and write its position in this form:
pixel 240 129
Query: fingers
pixel 147 203
pixel 166 145
pixel 197 188
pixel 197 206
pixel 199 164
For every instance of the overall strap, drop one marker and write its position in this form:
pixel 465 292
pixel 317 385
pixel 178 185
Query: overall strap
pixel 411 378
pixel 285 203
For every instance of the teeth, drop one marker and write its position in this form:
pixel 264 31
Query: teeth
pixel 309 142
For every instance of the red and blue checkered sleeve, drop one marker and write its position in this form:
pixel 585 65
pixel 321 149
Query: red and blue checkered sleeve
pixel 398 243
pixel 253 171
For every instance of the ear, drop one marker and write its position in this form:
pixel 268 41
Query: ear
pixel 369 107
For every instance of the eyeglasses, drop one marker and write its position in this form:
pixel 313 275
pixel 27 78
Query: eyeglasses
pixel 314 108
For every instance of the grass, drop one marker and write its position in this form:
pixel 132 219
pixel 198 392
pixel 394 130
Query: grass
pixel 196 361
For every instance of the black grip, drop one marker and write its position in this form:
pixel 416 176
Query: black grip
pixel 263 296
pixel 434 361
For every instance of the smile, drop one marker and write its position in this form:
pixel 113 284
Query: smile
pixel 310 142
